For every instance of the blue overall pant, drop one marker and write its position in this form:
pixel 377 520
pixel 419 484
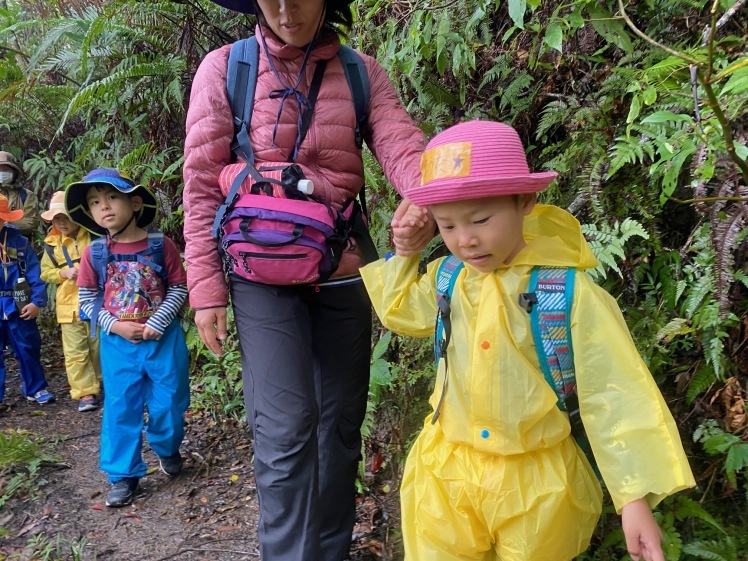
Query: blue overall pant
pixel 152 373
pixel 23 336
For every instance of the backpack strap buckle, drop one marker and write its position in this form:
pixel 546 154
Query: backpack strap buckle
pixel 527 300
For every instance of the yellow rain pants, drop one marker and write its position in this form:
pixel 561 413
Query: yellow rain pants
pixel 459 504
pixel 81 359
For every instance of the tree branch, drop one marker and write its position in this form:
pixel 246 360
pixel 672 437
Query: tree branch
pixel 710 57
pixel 648 39
pixel 727 16
pixel 727 134
pixel 707 200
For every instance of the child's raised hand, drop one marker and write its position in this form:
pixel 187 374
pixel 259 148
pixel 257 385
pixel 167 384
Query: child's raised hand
pixel 29 311
pixel 150 334
pixel 129 330
pixel 643 536
pixel 412 228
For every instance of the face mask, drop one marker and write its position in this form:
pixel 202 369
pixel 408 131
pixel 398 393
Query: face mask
pixel 6 177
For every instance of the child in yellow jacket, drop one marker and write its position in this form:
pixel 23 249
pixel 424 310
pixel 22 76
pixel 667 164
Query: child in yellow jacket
pixel 495 473
pixel 63 247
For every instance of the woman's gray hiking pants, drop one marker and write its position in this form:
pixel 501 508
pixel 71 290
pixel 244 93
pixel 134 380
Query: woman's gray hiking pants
pixel 305 360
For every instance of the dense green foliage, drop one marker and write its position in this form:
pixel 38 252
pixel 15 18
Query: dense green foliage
pixel 640 106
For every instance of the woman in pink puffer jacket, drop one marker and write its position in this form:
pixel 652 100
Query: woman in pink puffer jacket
pixel 305 349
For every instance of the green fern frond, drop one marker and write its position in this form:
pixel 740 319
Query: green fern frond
pixel 700 288
pixel 106 87
pixel 713 550
pixel 137 157
pixel 675 327
pixel 702 381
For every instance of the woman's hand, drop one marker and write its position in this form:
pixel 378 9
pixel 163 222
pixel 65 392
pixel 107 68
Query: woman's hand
pixel 211 326
pixel 643 536
pixel 412 228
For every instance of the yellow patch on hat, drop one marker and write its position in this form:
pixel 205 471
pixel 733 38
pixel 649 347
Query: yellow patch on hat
pixel 445 161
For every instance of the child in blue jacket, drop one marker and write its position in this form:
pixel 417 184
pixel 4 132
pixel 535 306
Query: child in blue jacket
pixel 19 328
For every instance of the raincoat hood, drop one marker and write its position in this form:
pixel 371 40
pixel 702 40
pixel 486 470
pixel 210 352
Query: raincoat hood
pixel 554 239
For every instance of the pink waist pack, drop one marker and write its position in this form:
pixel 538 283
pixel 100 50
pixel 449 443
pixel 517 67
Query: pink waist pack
pixel 275 234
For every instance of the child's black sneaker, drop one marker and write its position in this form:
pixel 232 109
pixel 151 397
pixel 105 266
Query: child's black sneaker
pixel 88 403
pixel 171 465
pixel 122 492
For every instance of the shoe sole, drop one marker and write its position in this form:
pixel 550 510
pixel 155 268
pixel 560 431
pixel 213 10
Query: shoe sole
pixel 87 408
pixel 161 467
pixel 118 505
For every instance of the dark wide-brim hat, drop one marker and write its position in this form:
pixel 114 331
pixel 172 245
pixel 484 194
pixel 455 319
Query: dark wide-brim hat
pixel 242 6
pixel 475 160
pixel 76 204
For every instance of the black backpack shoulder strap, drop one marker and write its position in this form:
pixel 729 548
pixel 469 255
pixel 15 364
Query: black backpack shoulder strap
pixel 50 251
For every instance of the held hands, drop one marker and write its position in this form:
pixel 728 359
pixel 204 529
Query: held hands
pixel 412 228
pixel 211 326
pixel 643 536
pixel 29 311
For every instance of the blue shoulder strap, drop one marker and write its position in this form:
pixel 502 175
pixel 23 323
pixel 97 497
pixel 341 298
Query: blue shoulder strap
pixel 446 276
pixel 24 194
pixel 551 330
pixel 241 83
pixel 99 254
pixel 549 303
pixel 155 255
pixel 358 82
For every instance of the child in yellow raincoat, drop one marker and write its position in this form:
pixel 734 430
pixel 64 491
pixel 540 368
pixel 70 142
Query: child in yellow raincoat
pixel 495 474
pixel 63 248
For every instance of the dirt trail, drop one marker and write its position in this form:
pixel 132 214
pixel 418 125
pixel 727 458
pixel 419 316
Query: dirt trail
pixel 208 512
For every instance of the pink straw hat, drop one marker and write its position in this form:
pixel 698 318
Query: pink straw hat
pixel 475 160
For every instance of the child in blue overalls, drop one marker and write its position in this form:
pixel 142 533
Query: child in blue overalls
pixel 144 358
pixel 19 327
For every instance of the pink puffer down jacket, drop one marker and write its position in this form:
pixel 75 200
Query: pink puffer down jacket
pixel 328 155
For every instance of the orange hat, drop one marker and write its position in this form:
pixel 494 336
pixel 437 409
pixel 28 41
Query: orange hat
pixel 56 206
pixel 6 213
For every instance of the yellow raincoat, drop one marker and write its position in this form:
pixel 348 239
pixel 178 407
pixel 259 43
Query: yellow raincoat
pixel 498 472
pixel 81 351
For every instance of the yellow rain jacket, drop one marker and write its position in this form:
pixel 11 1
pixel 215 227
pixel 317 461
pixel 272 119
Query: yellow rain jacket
pixel 497 401
pixel 66 300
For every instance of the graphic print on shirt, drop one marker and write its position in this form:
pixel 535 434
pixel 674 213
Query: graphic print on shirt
pixel 134 291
